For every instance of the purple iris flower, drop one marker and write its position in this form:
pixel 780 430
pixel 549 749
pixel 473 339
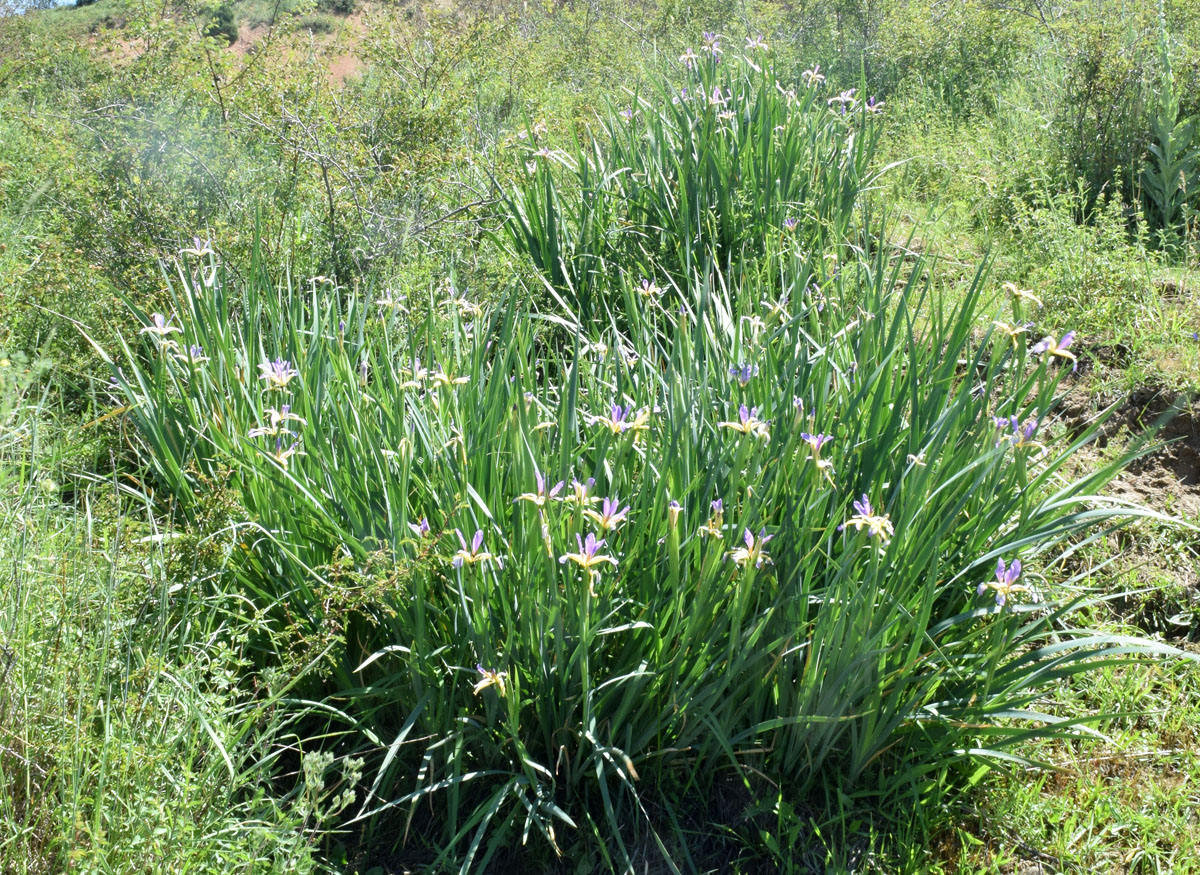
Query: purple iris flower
pixel 1005 583
pixel 816 441
pixel 744 373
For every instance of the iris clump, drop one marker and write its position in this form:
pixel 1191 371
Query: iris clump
pixel 693 174
pixel 636 634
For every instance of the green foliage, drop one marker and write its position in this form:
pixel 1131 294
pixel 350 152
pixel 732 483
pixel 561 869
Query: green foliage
pixel 317 23
pixel 128 742
pixel 693 175
pixel 223 23
pixel 1172 173
pixel 1091 277
pixel 654 714
pixel 685 649
pixel 338 7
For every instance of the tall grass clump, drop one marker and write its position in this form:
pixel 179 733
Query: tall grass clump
pixel 693 173
pixel 785 522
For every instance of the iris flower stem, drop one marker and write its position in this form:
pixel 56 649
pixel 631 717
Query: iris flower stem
pixel 673 558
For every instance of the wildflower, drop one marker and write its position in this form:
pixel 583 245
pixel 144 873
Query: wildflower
pixel 199 248
pixel 610 515
pixel 419 374
pixel 589 557
pixel 713 527
pixel 161 327
pixel 420 529
pixel 442 380
pixel 277 419
pixel 1057 348
pixel 626 114
pixel 798 405
pixel 391 301
pixel 674 508
pixel 872 105
pixel 1021 435
pixel 467 309
pixel 195 355
pixel 491 678
pixel 756 43
pixel 711 39
pixel 815 442
pixel 727 115
pixel 689 59
pixel 743 373
pixel 818 296
pixel 282 454
pixel 812 77
pixel 1005 583
pixel 844 99
pixel 473 554
pixel 618 421
pixel 540 497
pixel 1013 331
pixel 752 552
pixel 717 98
pixel 543 152
pixel 756 325
pixel 748 422
pixel 278 373
pixel 877 525
pixel 539 128
pixel 917 460
pixel 790 224
pixel 1022 294
pixel 648 289
pixel 579 493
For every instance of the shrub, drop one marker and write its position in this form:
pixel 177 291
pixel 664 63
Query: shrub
pixel 338 7
pixel 317 23
pixel 223 23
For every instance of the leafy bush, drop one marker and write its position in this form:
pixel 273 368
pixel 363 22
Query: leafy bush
pixel 338 7
pixel 223 23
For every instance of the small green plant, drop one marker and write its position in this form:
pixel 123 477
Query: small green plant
pixel 1170 178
